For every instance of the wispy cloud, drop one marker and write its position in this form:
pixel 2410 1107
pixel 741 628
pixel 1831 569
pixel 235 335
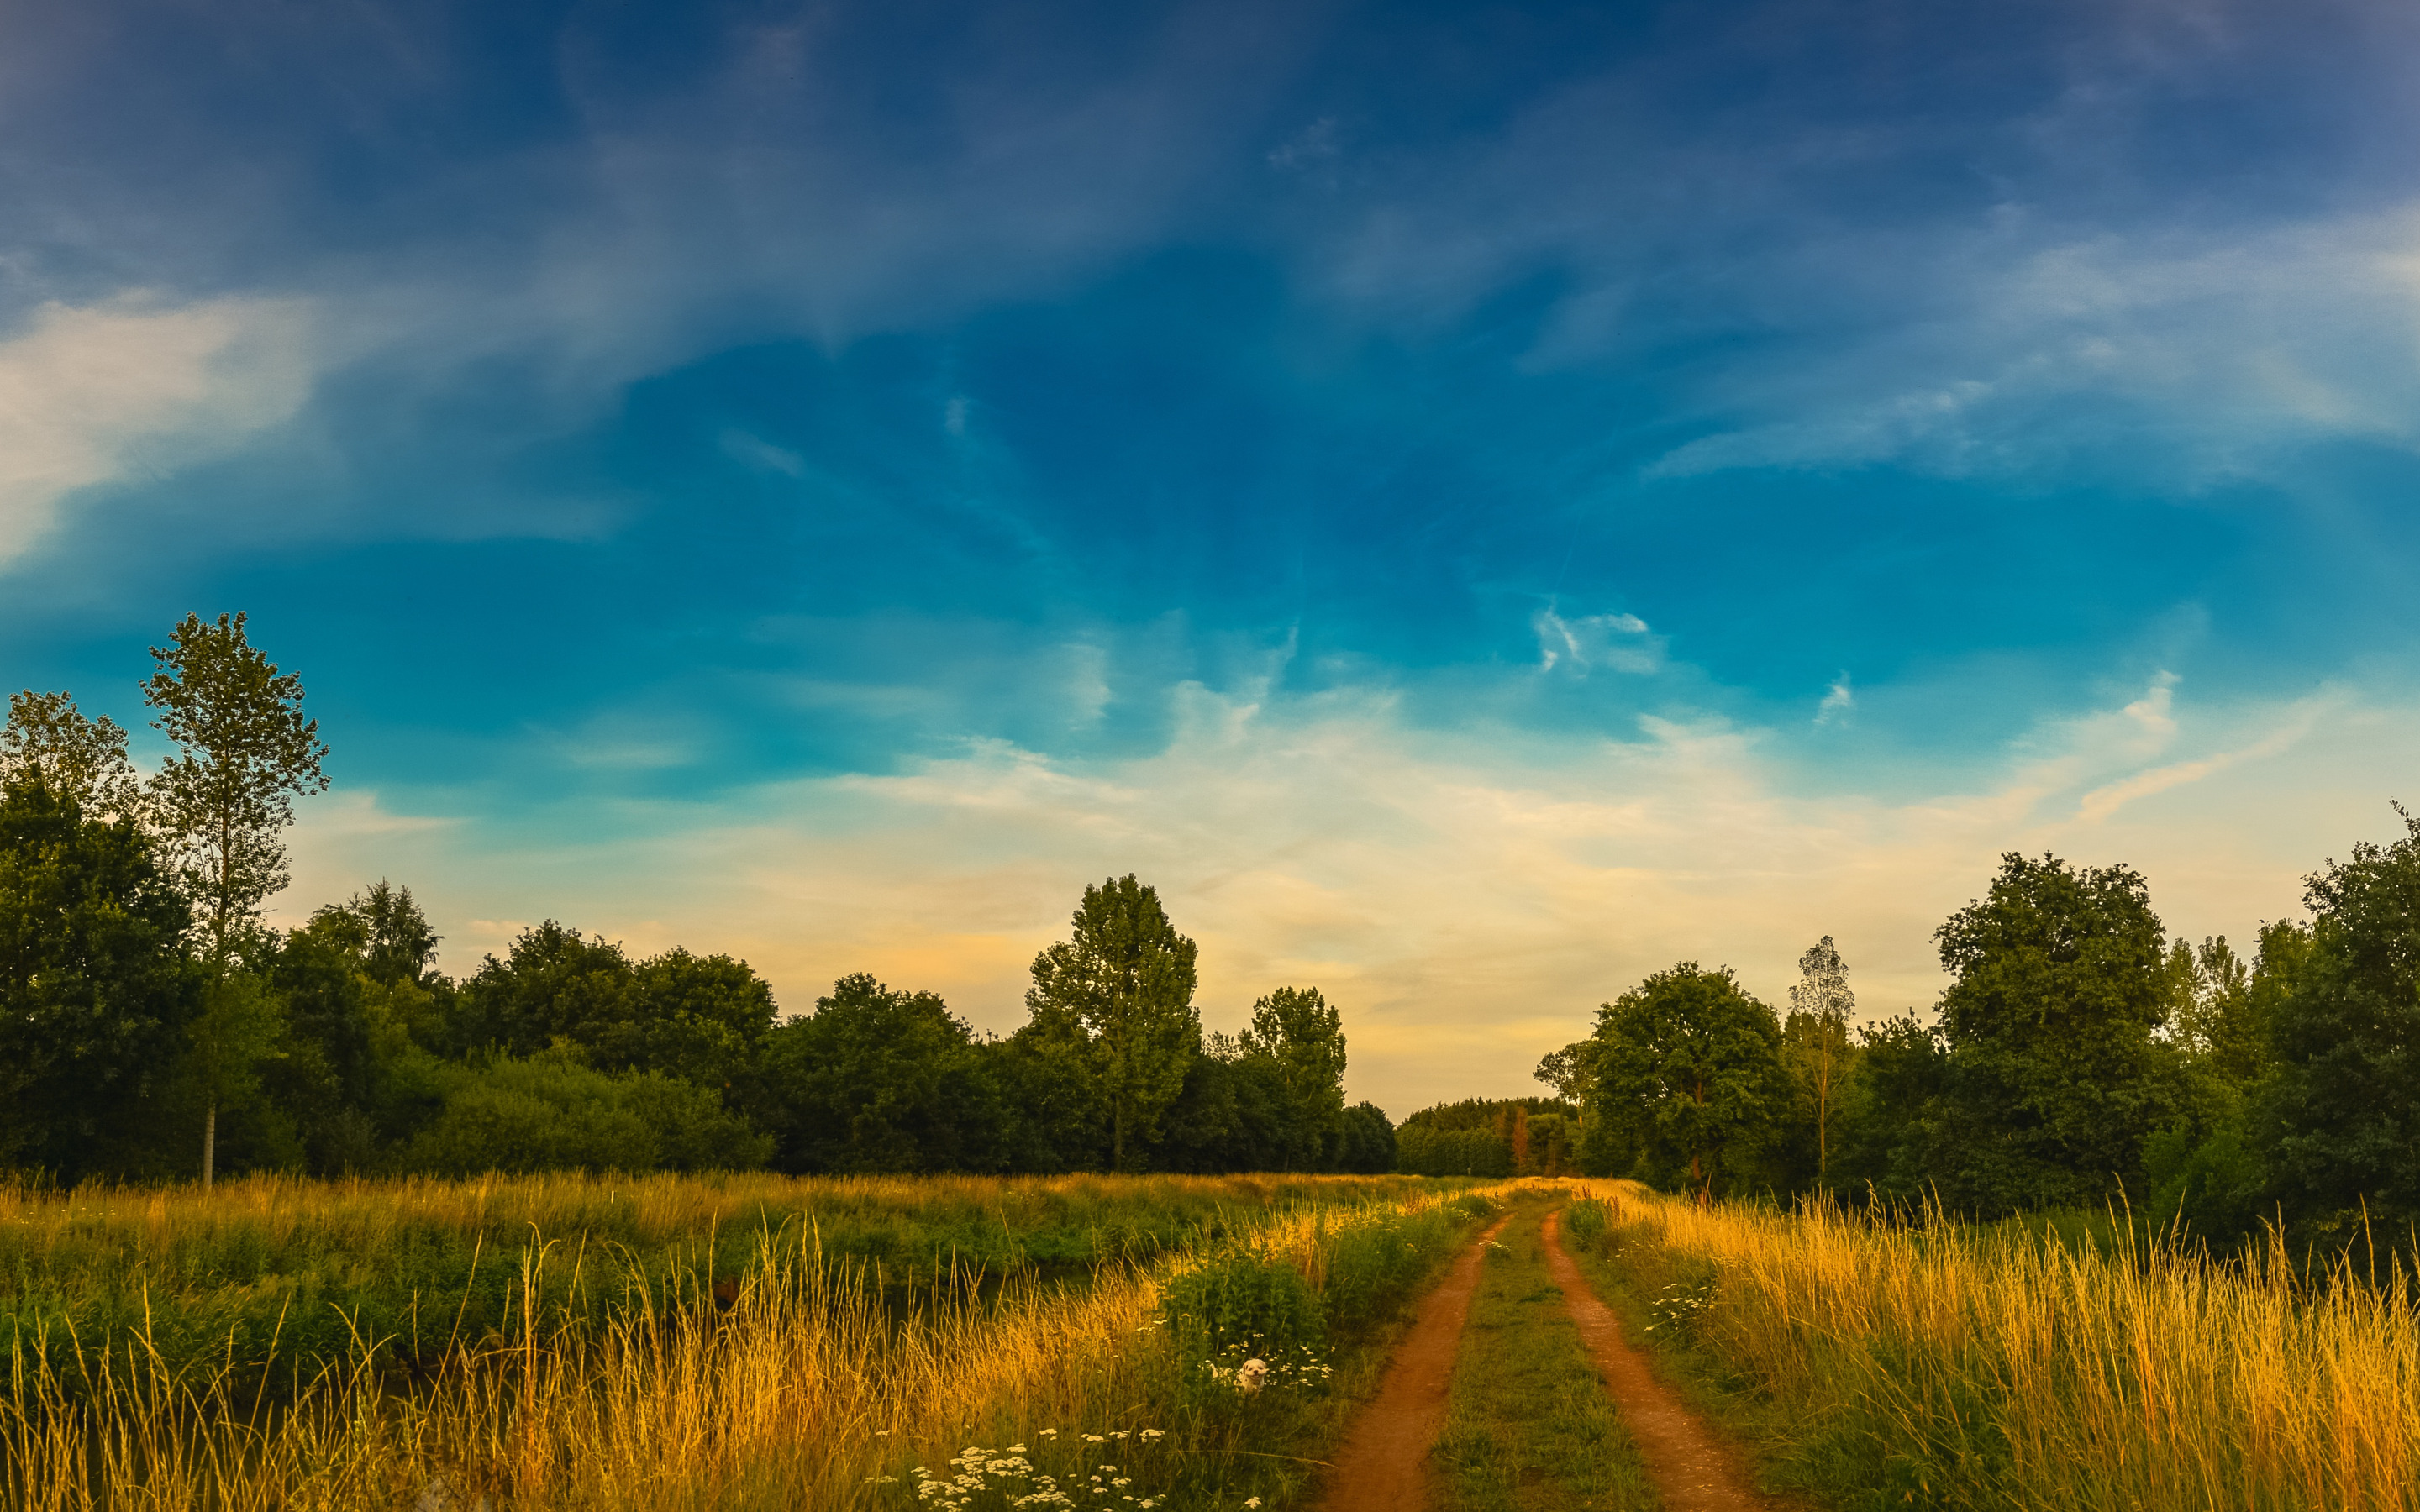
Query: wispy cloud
pixel 1583 643
pixel 138 387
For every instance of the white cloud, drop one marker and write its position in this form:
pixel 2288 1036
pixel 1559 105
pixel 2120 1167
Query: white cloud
pixel 1582 644
pixel 1469 896
pixel 95 394
pixel 1839 702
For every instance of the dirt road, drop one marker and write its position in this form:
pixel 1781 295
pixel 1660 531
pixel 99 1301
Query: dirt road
pixel 1693 1470
pixel 1384 1465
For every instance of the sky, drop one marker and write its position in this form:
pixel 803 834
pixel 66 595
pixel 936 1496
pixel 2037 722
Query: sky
pixel 1475 504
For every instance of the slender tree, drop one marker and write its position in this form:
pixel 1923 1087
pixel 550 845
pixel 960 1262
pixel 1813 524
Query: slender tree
pixel 1817 1035
pixel 222 802
pixel 1572 1073
pixel 1121 983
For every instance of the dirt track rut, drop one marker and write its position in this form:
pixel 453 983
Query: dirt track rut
pixel 1693 1470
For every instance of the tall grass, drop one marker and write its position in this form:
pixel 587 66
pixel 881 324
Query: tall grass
pixel 273 1266
pixel 1932 1364
pixel 803 1384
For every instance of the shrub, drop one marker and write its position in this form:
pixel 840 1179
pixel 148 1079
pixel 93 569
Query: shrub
pixel 1240 1297
pixel 549 1113
pixel 1374 1259
pixel 1586 1220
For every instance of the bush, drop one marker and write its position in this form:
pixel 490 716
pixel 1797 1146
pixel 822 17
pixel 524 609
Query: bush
pixel 549 1113
pixel 1241 1298
pixel 1375 1259
pixel 1587 1220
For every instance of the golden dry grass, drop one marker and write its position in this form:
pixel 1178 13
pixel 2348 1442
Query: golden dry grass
pixel 802 1393
pixel 2005 1372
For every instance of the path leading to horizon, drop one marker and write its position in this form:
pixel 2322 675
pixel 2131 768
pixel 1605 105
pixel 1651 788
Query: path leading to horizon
pixel 1385 1463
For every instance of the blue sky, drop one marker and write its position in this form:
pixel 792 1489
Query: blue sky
pixel 1477 502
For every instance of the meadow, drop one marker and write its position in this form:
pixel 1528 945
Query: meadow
pixel 734 1342
pixel 1884 1359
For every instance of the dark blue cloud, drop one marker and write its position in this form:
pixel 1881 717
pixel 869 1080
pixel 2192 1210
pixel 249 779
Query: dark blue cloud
pixel 714 393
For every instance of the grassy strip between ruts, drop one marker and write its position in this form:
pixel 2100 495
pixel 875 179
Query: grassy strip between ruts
pixel 1529 1426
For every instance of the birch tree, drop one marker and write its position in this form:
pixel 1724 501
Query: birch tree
pixel 222 804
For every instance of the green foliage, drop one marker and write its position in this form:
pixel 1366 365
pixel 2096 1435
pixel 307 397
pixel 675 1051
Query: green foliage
pixel 94 990
pixel 1115 1000
pixel 1586 1219
pixel 1372 1258
pixel 1689 1072
pixel 1241 1298
pixel 243 753
pixel 2339 1118
pixel 2055 1076
pixel 48 742
pixel 1301 1036
pixel 549 1113
pixel 878 1080
pixel 383 933
pixel 1425 1150
pixel 701 1018
pixel 1890 1115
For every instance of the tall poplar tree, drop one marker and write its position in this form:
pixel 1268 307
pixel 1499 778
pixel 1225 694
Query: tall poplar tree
pixel 222 802
pixel 1121 989
pixel 1816 1036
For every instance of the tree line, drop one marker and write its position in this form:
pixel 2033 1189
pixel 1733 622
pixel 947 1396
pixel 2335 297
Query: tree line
pixel 152 1025
pixel 2078 1058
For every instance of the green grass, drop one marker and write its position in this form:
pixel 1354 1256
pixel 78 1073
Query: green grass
pixel 273 1273
pixel 1529 1426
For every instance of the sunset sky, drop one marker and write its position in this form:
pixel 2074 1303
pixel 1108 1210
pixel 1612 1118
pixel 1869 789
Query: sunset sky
pixel 1477 503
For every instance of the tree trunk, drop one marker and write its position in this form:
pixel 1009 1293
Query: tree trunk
pixel 209 1143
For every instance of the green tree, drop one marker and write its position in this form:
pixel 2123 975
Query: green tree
pixel 1367 1145
pixel 1891 1110
pixel 876 1079
pixel 1303 1038
pixel 2341 1112
pixel 222 803
pixel 239 1026
pixel 244 752
pixel 2060 982
pixel 1815 1038
pixel 1121 987
pixel 554 983
pixel 386 932
pixel 83 761
pixel 94 990
pixel 1689 1068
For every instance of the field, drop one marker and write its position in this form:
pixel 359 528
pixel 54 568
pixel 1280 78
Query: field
pixel 567 1341
pixel 978 1345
